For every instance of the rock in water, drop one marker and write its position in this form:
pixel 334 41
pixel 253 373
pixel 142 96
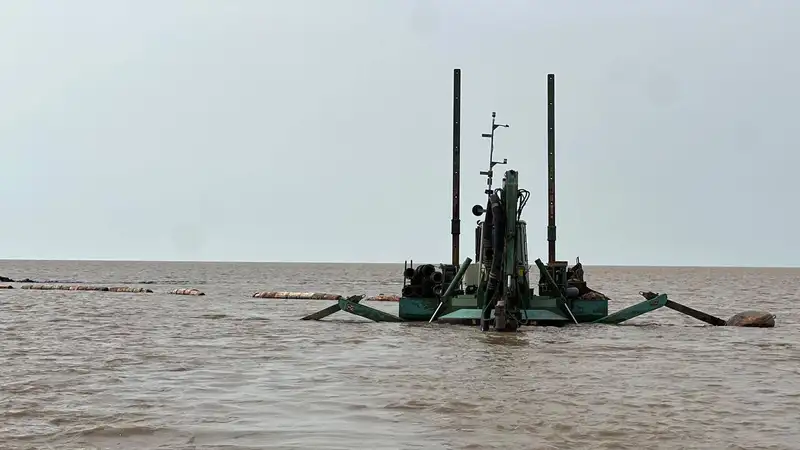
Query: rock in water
pixel 759 319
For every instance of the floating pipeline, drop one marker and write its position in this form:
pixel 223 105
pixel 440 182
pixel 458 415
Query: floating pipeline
pixel 132 290
pixel 186 292
pixel 66 287
pixel 318 296
pixel 6 286
pixel 385 298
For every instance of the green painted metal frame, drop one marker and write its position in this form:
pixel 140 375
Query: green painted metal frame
pixel 463 310
pixel 319 315
pixel 539 310
pixel 451 289
pixel 563 303
pixel 352 305
pixel 415 309
pixel 527 315
pixel 636 310
pixel 367 312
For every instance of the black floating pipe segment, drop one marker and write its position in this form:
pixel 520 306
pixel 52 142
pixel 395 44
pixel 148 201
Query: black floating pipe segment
pixel 551 168
pixel 408 273
pixel 562 301
pixel 412 291
pixel 448 294
pixel 426 269
pixel 437 277
pixel 455 226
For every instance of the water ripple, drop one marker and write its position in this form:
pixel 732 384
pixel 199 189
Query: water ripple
pixel 225 371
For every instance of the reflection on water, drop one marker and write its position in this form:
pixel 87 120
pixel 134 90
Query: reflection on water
pixel 225 371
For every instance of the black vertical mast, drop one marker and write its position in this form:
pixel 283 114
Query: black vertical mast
pixel 455 226
pixel 551 168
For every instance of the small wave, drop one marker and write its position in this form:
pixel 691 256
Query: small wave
pixel 213 316
pixel 46 281
pixel 225 316
pixel 56 282
pixel 68 281
pixel 166 282
pixel 119 431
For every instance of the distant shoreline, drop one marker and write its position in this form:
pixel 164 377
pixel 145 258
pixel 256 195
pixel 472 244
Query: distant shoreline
pixel 621 266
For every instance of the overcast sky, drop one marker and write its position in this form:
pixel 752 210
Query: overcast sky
pixel 321 130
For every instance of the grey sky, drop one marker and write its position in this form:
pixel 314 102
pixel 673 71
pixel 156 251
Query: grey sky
pixel 320 130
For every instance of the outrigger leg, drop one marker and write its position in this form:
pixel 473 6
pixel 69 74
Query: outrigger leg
pixel 651 303
pixel 331 309
pixel 353 306
pixel 654 301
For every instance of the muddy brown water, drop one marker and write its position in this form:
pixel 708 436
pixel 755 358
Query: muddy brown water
pixel 144 371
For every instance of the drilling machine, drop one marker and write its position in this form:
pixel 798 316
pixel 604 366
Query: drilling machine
pixel 504 285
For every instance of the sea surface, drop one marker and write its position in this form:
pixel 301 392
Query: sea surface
pixel 100 370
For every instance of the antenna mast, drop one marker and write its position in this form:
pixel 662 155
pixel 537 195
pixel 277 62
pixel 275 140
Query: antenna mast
pixel 492 163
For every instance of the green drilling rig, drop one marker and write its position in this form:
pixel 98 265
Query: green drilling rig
pixel 497 293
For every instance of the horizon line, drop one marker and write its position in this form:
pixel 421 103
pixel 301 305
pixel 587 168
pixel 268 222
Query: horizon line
pixel 668 266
